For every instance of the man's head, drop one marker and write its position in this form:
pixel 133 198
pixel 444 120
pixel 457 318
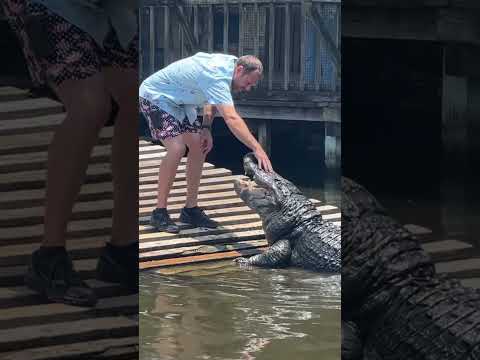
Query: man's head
pixel 248 70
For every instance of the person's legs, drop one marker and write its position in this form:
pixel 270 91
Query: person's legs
pixel 122 84
pixel 118 261
pixel 191 213
pixel 88 106
pixel 195 161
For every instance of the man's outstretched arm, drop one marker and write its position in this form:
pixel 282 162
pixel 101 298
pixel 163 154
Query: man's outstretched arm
pixel 240 129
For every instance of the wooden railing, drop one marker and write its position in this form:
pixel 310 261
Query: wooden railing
pixel 297 41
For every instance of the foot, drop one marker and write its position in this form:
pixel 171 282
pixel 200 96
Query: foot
pixel 51 274
pixel 119 264
pixel 161 221
pixel 196 216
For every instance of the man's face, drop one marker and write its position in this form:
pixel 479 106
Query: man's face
pixel 243 81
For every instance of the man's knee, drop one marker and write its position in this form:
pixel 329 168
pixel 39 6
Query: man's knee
pixel 176 148
pixel 194 144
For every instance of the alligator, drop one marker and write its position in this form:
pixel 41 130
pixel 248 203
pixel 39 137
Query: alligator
pixel 394 305
pixel 295 231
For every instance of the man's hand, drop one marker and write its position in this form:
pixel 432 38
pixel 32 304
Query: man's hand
pixel 263 160
pixel 206 141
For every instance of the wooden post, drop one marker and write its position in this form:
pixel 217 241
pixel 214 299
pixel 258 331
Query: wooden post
pixel 241 30
pixel 225 28
pixel 332 145
pixel 454 138
pixel 286 70
pixel 140 41
pixel 264 135
pixel 152 38
pixel 166 36
pixel 210 28
pixel 195 23
pixel 257 32
pixel 303 31
pixel 318 63
pixel 271 46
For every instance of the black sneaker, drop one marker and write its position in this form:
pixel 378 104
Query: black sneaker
pixel 119 264
pixel 196 216
pixel 161 221
pixel 51 274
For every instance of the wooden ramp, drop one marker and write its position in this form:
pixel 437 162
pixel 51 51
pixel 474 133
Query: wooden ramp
pixel 240 232
pixel 30 328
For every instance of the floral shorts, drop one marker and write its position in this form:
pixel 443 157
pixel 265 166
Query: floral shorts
pixel 163 125
pixel 55 50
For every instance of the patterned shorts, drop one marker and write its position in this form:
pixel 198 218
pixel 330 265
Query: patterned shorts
pixel 55 50
pixel 163 125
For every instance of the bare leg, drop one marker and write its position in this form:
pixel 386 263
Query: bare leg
pixel 123 85
pixel 88 106
pixel 195 161
pixel 168 168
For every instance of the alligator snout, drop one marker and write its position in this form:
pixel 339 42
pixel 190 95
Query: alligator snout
pixel 250 165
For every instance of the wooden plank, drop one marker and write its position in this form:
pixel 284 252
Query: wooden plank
pixel 37 160
pixel 47 313
pixel 202 249
pixel 271 46
pixel 14 275
pixel 460 268
pixel 103 208
pixel 225 27
pixel 84 350
pixel 31 124
pixel 199 259
pixel 60 333
pixel 37 141
pixel 29 108
pixel 152 40
pixel 9 93
pixel 23 296
pixel 18 254
pixel 287 50
pixel 473 282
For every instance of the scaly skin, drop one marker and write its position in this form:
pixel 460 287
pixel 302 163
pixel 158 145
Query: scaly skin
pixel 294 229
pixel 390 290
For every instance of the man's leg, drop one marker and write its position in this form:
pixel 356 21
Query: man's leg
pixel 119 259
pixel 88 106
pixel 195 161
pixel 160 218
pixel 191 213
pixel 51 270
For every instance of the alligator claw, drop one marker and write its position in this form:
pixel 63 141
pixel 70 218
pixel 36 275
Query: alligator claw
pixel 241 261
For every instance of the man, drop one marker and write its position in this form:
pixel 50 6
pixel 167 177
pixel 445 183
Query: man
pixel 169 98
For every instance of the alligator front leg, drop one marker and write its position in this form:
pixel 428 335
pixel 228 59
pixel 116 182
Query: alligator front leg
pixel 277 255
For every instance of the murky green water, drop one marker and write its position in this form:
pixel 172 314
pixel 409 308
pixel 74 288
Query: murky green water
pixel 227 313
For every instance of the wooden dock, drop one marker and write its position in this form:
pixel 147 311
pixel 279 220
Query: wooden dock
pixel 30 328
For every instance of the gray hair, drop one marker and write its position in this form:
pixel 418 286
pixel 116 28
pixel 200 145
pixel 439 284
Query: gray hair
pixel 250 63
